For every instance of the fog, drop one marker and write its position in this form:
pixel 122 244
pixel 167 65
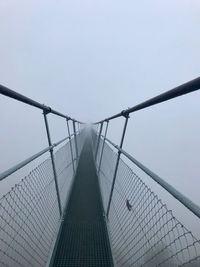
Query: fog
pixel 92 59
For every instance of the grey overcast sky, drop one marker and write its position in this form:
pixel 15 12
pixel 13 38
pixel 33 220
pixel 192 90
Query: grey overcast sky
pixel 93 58
pixel 90 59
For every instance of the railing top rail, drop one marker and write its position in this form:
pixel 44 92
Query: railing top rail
pixel 12 94
pixel 183 89
pixel 20 165
pixel 194 208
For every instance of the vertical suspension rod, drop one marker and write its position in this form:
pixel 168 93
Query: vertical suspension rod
pixel 76 146
pixel 99 137
pixel 53 162
pixel 103 146
pixel 70 143
pixel 117 165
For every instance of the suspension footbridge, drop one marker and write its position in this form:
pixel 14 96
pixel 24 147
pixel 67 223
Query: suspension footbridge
pixel 85 206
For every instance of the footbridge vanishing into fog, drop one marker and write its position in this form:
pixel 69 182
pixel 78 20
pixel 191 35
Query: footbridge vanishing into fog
pixel 85 206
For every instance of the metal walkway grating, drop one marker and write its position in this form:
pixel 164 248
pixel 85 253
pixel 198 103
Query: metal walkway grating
pixel 84 238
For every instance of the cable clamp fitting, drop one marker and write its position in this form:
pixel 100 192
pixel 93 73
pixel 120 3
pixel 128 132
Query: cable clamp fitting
pixel 125 114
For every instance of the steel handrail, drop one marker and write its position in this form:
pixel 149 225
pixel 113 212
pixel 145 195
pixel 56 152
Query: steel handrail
pixel 194 208
pixel 183 89
pixel 12 94
pixel 20 165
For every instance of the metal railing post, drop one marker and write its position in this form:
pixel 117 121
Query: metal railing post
pixel 70 143
pixel 103 147
pixel 98 128
pixel 53 162
pixel 117 165
pixel 97 147
pixel 75 139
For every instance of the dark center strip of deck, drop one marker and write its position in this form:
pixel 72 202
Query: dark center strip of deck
pixel 84 238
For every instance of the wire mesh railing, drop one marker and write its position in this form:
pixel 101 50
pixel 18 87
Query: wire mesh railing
pixel 143 231
pixel 29 214
pixel 64 167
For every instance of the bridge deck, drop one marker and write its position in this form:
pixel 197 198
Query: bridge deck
pixel 84 238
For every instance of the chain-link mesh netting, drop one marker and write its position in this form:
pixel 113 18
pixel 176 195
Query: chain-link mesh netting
pixel 64 168
pixel 94 139
pixel 80 137
pixel 80 140
pixel 29 214
pixel 29 217
pixel 74 149
pixel 143 231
